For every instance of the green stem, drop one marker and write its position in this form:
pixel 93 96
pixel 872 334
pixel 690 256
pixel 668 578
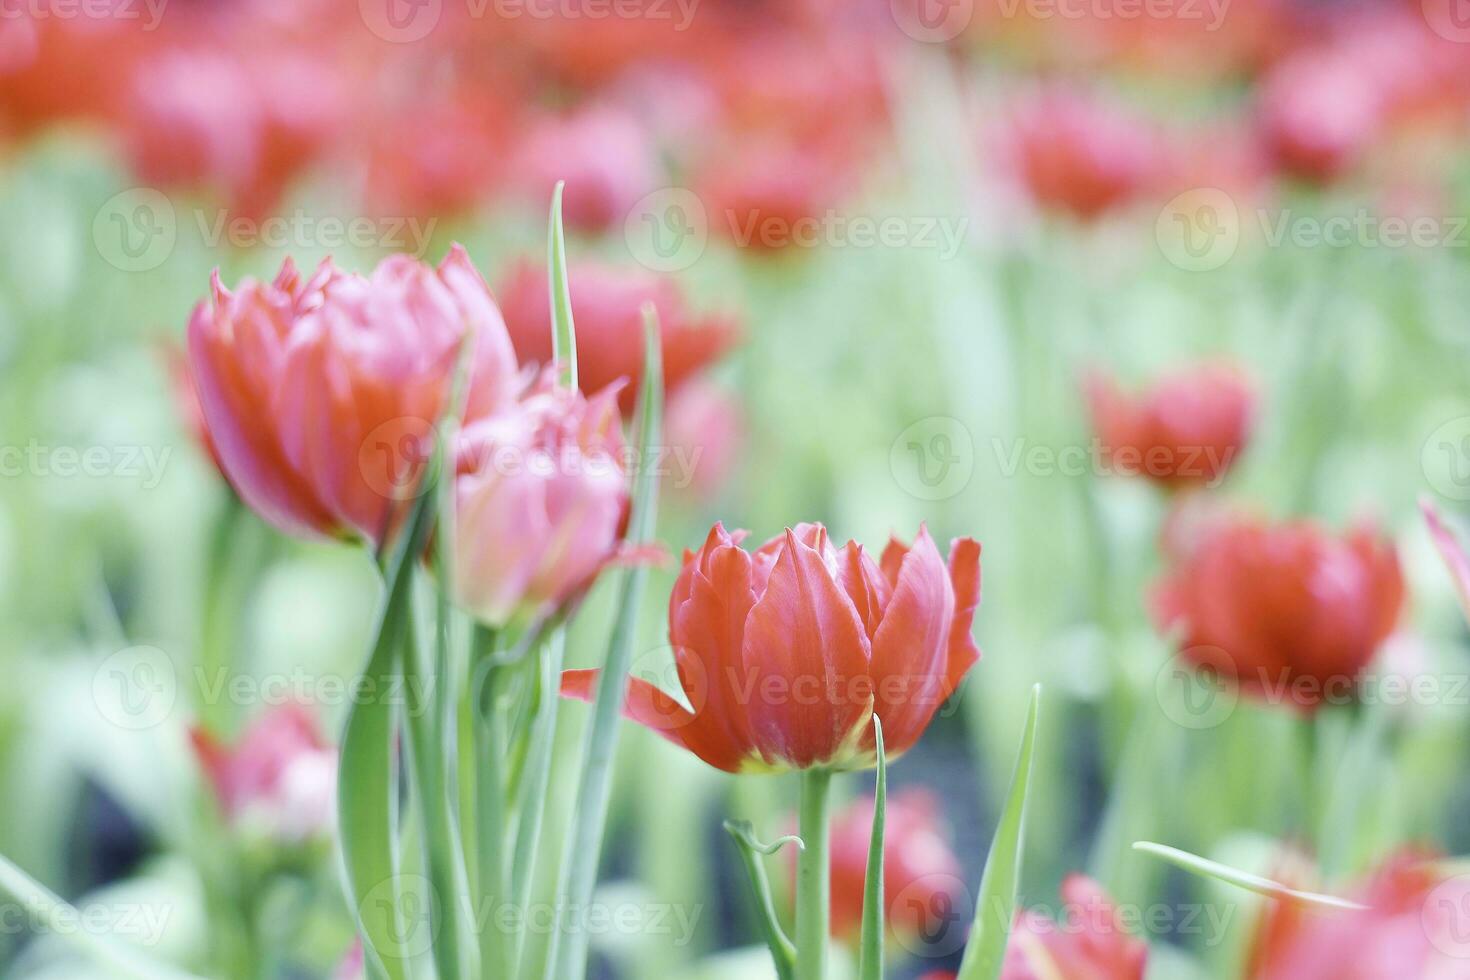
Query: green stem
pixel 490 802
pixel 813 877
pixel 533 802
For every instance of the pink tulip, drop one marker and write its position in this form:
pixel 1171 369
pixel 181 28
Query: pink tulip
pixel 604 155
pixel 280 777
pixel 1447 543
pixel 320 394
pixel 1088 942
pixel 542 495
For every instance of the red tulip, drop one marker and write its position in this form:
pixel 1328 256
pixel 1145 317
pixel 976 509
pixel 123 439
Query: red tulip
pixel 542 496
pixel 1416 927
pixel 920 872
pixel 280 778
pixel 1076 154
pixel 319 394
pixel 436 158
pixel 607 304
pixel 1089 942
pixel 1186 430
pixel 177 134
pixel 1288 612
pixel 605 157
pixel 705 428
pixel 785 654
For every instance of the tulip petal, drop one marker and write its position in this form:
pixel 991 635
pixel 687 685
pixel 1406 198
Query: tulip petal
pixel 650 707
pixel 911 648
pixel 806 656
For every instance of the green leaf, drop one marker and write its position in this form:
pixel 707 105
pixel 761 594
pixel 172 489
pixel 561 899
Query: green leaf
pixel 870 962
pixel 995 909
pixel 567 957
pixel 563 330
pixel 61 920
pixel 1195 864
pixel 367 783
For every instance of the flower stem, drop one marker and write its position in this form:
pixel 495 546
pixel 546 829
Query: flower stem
pixel 813 877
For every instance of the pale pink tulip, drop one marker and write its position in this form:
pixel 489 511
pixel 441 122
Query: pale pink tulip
pixel 542 495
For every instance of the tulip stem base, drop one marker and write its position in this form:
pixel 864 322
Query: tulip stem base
pixel 813 877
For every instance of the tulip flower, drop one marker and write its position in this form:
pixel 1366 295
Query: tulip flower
pixel 1186 430
pixel 1288 612
pixel 784 654
pixel 1080 156
pixel 607 303
pixel 1447 543
pixel 280 778
pixel 605 157
pixel 1416 925
pixel 541 499
pixel 920 872
pixel 320 394
pixel 1088 943
pixel 1318 114
pixel 705 429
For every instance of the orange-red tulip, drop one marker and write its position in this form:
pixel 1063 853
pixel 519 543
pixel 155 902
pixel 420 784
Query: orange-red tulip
pixel 1187 429
pixel 784 654
pixel 1087 942
pixel 607 304
pixel 320 394
pixel 1288 612
pixel 920 871
pixel 542 496
pixel 1416 927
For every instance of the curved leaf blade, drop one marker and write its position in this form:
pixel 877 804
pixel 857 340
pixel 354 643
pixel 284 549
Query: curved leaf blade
pixel 1204 867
